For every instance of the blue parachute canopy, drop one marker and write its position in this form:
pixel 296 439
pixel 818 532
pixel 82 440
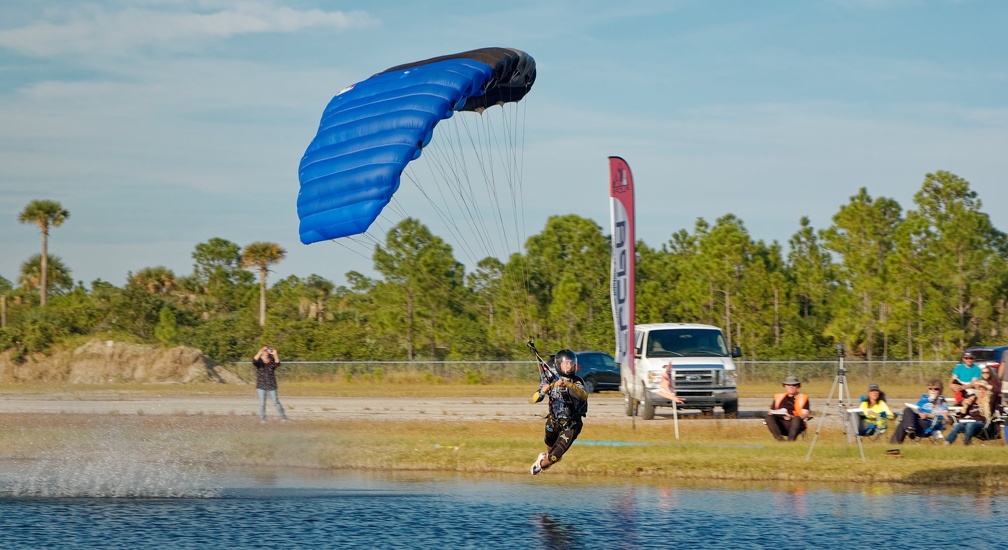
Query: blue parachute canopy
pixel 370 131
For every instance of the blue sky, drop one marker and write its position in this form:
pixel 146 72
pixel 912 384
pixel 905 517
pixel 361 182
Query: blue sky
pixel 160 124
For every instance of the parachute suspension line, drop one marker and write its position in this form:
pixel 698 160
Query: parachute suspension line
pixel 342 241
pixel 391 216
pixel 452 155
pixel 396 206
pixel 518 200
pixel 469 219
pixel 513 172
pixel 522 283
pixel 361 244
pixel 521 175
pixel 452 170
pixel 466 195
pixel 516 281
pixel 490 188
pixel 486 165
pixel 481 137
pixel 448 164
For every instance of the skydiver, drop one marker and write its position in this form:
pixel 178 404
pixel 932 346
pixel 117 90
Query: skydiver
pixel 568 403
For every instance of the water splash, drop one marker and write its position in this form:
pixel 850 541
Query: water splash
pixel 110 460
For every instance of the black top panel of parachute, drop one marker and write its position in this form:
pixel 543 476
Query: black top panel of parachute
pixel 514 71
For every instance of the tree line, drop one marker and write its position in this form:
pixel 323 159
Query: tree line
pixel 923 283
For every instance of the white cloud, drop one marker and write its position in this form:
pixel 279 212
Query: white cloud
pixel 174 26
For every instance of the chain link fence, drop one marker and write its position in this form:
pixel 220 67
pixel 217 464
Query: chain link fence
pixel 473 372
pixel 880 372
pixel 498 372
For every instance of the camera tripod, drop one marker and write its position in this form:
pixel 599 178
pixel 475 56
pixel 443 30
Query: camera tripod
pixel 839 382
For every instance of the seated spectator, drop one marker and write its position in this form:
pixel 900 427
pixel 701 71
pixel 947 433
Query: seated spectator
pixel 931 411
pixel 978 411
pixel 789 410
pixel 875 412
pixel 988 377
pixel 963 377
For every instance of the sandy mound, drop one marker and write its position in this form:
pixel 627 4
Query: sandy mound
pixel 104 361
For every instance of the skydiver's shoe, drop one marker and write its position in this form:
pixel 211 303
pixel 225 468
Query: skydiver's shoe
pixel 536 468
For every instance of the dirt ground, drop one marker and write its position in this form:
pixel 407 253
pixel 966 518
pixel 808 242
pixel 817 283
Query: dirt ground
pixel 606 406
pixel 99 362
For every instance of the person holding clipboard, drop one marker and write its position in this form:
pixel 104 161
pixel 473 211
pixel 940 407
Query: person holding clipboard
pixel 789 411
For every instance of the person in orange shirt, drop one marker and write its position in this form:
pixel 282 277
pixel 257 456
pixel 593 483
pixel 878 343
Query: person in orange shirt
pixel 789 411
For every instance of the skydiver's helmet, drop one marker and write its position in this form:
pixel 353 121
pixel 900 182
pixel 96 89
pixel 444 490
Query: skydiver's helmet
pixel 563 356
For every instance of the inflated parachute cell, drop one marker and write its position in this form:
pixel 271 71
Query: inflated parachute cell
pixel 373 129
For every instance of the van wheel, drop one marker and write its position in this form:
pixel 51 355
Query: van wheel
pixel 629 404
pixel 648 412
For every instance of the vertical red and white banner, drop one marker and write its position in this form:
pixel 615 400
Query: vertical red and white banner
pixel 621 209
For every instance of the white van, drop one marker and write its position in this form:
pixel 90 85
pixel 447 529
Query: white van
pixel 702 366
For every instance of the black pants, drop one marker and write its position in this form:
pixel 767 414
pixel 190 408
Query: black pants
pixel 560 436
pixel 910 419
pixel 778 426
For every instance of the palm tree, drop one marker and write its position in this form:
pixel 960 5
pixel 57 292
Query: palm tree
pixel 261 255
pixel 56 272
pixel 320 289
pixel 45 214
pixel 157 280
pixel 5 288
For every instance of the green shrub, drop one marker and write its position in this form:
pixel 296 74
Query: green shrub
pixel 473 378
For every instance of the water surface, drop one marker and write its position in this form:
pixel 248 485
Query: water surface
pixel 310 509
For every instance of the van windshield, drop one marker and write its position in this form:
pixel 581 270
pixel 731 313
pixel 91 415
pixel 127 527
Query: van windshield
pixel 686 343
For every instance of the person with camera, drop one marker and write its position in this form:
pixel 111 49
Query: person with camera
pixel 266 362
pixel 789 411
